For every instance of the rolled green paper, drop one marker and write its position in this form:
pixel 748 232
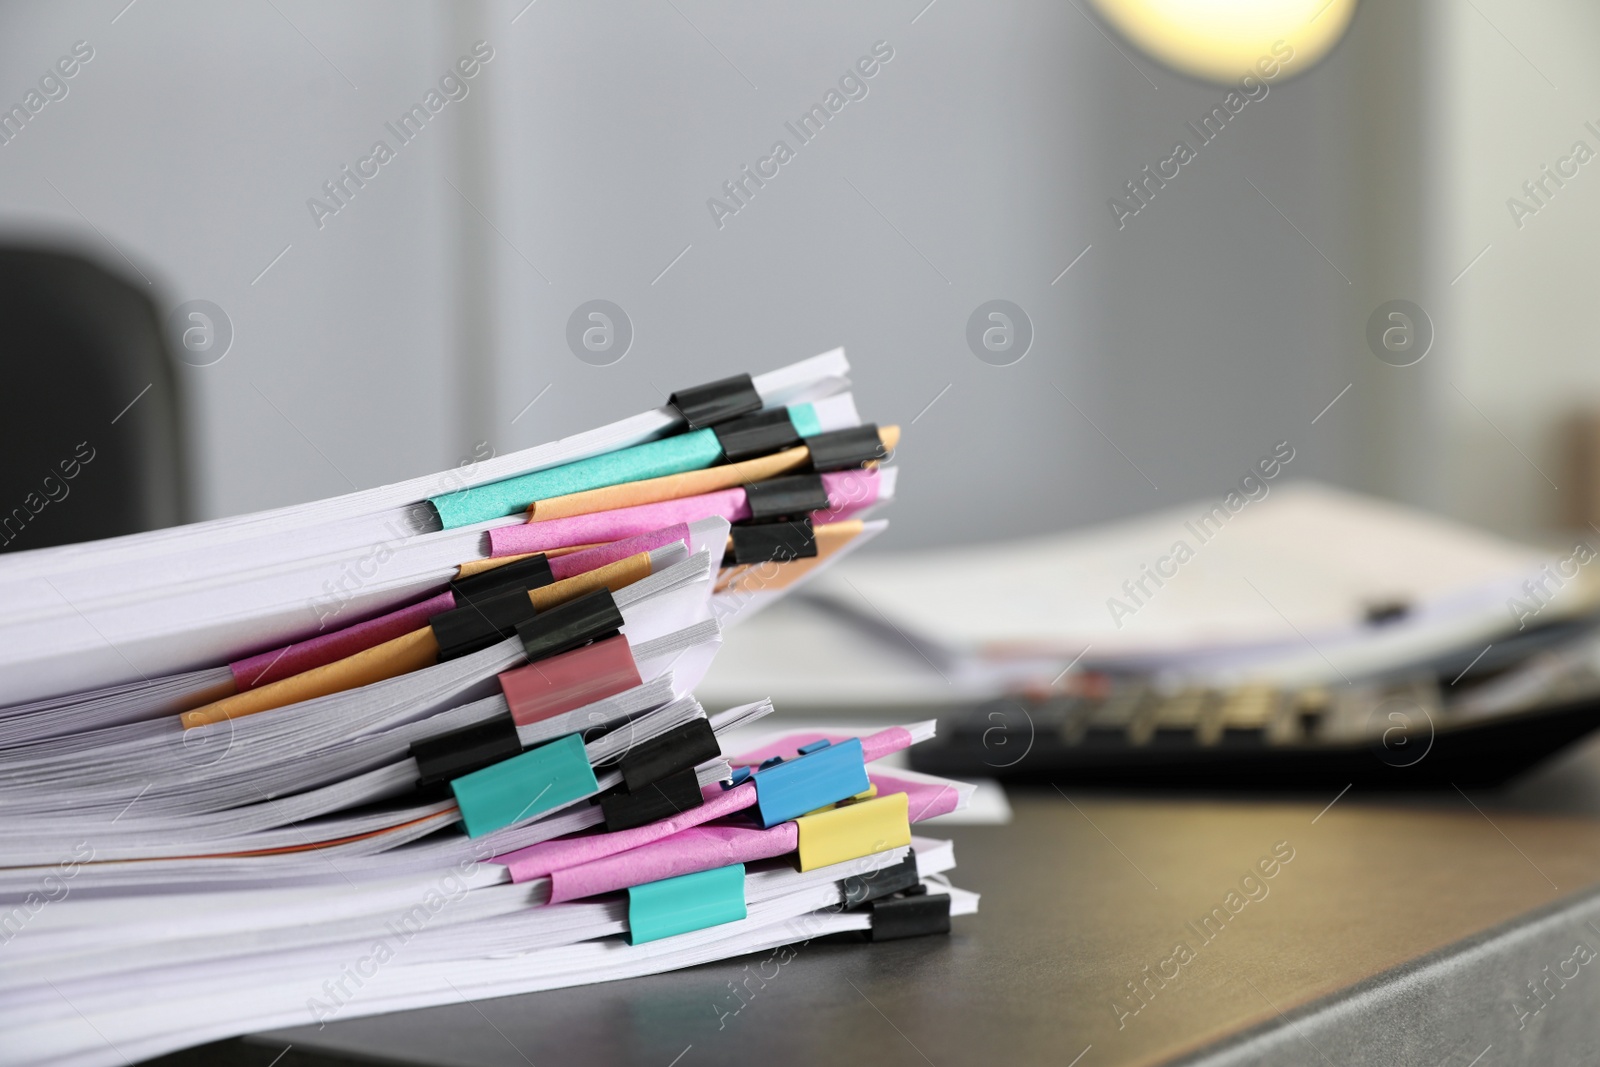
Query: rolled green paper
pixel 670 455
pixel 805 420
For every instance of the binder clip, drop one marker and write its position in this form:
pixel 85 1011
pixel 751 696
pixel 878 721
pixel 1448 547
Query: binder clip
pixel 883 882
pixel 851 831
pixel 460 752
pixel 791 496
pixel 681 748
pixel 523 786
pixel 487 620
pixel 913 913
pixel 760 434
pixel 806 783
pixel 772 542
pixel 531 573
pixel 570 680
pixel 570 625
pixel 715 402
pixel 658 776
pixel 688 902
pixel 661 799
pixel 842 449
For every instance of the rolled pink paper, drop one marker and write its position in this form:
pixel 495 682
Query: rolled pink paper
pixel 538 860
pixel 848 492
pixel 594 558
pixel 304 655
pixel 925 800
pixel 541 859
pixel 617 523
pixel 700 848
pixel 873 746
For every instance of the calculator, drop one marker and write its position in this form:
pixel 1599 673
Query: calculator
pixel 1474 718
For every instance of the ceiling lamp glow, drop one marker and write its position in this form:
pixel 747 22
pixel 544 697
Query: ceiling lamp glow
pixel 1221 40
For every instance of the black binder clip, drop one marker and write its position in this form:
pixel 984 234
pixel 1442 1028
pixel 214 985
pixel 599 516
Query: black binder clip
pixel 570 625
pixel 531 573
pixel 757 435
pixel 843 449
pixel 440 759
pixel 790 496
pixel 716 402
pixel 863 889
pixel 672 795
pixel 909 915
pixel 680 748
pixel 772 542
pixel 483 621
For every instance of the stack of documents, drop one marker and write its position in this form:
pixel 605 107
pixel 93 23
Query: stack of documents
pixel 439 739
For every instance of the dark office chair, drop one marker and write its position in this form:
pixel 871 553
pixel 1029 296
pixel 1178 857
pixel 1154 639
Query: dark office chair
pixel 78 346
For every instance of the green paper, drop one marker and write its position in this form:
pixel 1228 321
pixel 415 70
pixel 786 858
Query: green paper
pixel 523 786
pixel 670 455
pixel 687 902
pixel 804 418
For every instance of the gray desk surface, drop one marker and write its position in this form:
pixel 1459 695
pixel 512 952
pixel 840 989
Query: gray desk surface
pixel 1402 931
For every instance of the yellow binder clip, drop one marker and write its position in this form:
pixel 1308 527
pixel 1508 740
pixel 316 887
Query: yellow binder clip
pixel 854 830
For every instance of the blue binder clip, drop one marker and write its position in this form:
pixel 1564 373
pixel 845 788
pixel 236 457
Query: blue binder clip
pixel 815 780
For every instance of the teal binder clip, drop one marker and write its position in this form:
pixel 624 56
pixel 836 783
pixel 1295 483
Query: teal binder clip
pixel 523 786
pixel 687 902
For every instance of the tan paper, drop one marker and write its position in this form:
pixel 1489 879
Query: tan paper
pixel 612 576
pixel 691 483
pixel 765 577
pixel 478 566
pixel 408 652
pixel 402 655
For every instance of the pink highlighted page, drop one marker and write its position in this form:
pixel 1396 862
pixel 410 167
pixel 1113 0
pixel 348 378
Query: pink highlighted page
pixel 540 859
pixel 873 746
pixel 325 648
pixel 848 492
pixel 700 848
pixel 591 559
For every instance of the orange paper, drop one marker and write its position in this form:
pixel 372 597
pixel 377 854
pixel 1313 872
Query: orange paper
pixel 690 483
pixel 406 653
pixel 759 577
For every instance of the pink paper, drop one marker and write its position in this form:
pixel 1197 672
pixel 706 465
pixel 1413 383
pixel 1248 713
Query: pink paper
pixel 616 523
pixel 591 559
pixel 848 492
pixel 699 848
pixel 301 656
pixel 873 746
pixel 541 859
pixel 259 670
pixel 538 860
pixel 924 800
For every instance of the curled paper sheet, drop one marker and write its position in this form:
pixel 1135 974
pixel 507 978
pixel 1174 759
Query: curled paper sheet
pixel 703 847
pixel 849 491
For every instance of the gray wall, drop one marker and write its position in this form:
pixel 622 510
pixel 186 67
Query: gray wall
pixel 426 314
